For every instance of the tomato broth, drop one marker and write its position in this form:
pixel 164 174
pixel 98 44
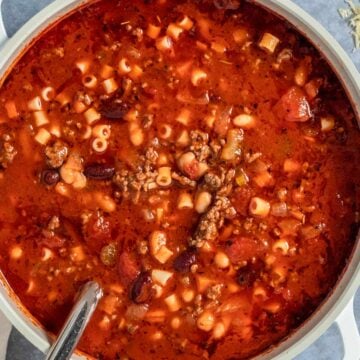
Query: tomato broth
pixel 196 158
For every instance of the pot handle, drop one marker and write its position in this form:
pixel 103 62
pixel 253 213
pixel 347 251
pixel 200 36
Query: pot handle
pixel 3 35
pixel 349 331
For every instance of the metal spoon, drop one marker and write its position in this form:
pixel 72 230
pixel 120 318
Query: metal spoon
pixel 70 334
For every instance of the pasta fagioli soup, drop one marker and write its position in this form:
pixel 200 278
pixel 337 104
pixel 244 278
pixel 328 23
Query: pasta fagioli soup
pixel 196 158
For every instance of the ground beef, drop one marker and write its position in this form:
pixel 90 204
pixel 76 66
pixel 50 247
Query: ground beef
pixel 7 151
pixel 131 184
pixel 199 145
pixel 212 181
pixel 151 155
pixel 56 154
pixel 183 180
pixel 220 181
pixel 212 221
pixel 143 179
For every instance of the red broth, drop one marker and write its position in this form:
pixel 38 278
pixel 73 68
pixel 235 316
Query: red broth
pixel 196 158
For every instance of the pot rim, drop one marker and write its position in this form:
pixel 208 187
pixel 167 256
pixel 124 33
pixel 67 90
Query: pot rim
pixel 347 73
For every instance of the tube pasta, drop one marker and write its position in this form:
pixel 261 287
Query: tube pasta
pixel 35 104
pixel 164 43
pixel 164 176
pixel 184 117
pixel 281 245
pixel 259 207
pixel 174 31
pixel 186 23
pixel 107 72
pixel 165 131
pixel 259 292
pixel 110 85
pixel 197 76
pixel 90 81
pixel 63 98
pixel 153 31
pixel 99 145
pixel 41 118
pixel 87 133
pixel 55 130
pixel 185 201
pixel 173 303
pixel 136 72
pixel 48 93
pixel 79 107
pixel 183 139
pixel 83 65
pixel 43 136
pixel 124 67
pixel 269 42
pixel 91 116
pixel 102 131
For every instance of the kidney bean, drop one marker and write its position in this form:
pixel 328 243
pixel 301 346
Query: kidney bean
pixel 99 172
pixel 247 275
pixel 184 261
pixel 114 109
pixel 50 177
pixel 141 289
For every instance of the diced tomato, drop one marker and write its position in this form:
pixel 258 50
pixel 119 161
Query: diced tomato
pixel 293 106
pixel 192 169
pixel 242 249
pixel 241 199
pixel 128 268
pixel 97 232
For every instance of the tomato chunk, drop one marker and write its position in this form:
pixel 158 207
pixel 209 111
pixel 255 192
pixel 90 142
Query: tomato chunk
pixel 242 249
pixel 128 268
pixel 293 106
pixel 97 232
pixel 192 169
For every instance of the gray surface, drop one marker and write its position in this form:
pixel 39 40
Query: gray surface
pixel 330 345
pixel 326 12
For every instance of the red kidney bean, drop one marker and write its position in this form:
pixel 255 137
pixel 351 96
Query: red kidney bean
pixel 141 289
pixel 99 172
pixel 50 177
pixel 114 109
pixel 247 275
pixel 184 261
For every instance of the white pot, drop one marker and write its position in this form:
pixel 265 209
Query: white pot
pixel 348 282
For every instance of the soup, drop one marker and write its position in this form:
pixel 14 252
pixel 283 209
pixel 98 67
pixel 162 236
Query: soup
pixel 196 158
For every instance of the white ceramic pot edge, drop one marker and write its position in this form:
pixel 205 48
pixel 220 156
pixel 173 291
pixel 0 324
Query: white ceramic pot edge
pixel 324 317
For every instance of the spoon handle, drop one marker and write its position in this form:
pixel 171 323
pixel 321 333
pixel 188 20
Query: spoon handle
pixel 76 322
